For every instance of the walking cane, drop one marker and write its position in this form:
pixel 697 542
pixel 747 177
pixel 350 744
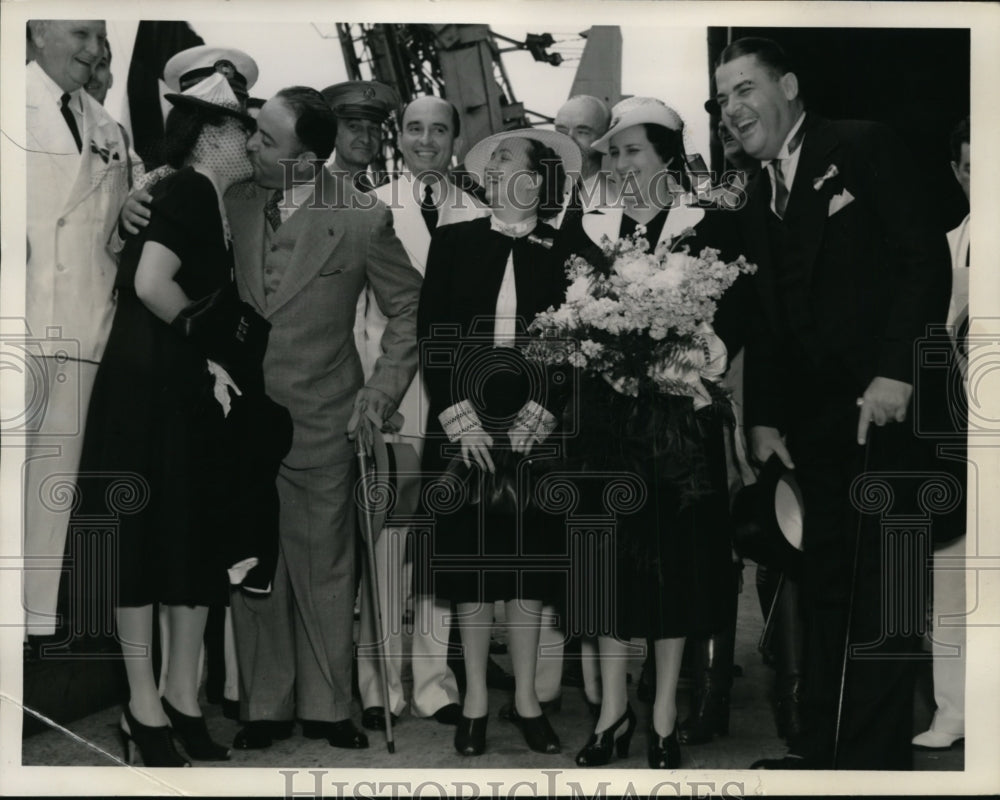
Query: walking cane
pixel 850 612
pixel 362 446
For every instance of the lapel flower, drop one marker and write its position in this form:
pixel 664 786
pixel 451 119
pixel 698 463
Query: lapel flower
pixel 545 242
pixel 831 172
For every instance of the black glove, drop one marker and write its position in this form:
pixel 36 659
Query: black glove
pixel 228 331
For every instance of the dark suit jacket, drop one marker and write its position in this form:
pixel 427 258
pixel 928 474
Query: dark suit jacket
pixel 874 273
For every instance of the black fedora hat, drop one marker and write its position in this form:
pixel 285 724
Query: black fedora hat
pixel 767 518
pixel 391 489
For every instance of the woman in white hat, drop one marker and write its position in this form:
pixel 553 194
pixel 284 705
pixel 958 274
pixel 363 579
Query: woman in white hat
pixel 486 279
pixel 672 557
pixel 157 412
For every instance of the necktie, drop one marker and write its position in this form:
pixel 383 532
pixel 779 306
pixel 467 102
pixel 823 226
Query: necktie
pixel 428 209
pixel 780 190
pixel 271 212
pixel 67 113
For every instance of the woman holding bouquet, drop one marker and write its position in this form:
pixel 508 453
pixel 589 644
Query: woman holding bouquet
pixel 486 280
pixel 662 422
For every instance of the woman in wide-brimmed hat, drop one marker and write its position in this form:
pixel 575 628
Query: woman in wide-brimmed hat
pixel 158 414
pixel 485 281
pixel 672 554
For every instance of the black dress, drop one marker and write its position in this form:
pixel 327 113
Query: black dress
pixel 489 540
pixel 155 453
pixel 669 540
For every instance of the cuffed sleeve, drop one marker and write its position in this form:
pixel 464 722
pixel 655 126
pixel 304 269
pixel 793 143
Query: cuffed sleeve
pixel 536 419
pixel 459 419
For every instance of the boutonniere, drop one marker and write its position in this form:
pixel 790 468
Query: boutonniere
pixel 831 172
pixel 105 154
pixel 545 242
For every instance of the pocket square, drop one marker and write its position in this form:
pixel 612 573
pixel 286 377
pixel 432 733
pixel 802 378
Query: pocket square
pixel 838 201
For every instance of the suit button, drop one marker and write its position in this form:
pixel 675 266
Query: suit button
pixel 274 247
pixel 61 222
pixel 61 267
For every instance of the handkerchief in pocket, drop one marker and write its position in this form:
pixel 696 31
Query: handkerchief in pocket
pixel 838 201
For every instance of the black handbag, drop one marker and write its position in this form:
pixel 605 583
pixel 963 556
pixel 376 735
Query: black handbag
pixel 228 330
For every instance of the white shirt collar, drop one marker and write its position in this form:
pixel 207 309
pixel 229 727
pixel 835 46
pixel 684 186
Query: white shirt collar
pixel 514 229
pixel 54 89
pixel 783 152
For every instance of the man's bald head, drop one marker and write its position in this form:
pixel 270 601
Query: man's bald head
pixel 585 119
pixel 430 126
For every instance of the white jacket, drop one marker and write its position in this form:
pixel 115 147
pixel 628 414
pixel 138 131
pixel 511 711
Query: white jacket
pixel 72 208
pixel 403 196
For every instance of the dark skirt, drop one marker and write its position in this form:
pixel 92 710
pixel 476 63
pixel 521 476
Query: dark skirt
pixel 657 555
pixel 488 539
pixel 156 462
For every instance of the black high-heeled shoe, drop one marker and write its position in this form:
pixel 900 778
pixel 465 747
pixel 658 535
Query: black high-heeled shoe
pixel 537 732
pixel 597 751
pixel 664 751
pixel 193 735
pixel 470 735
pixel 155 744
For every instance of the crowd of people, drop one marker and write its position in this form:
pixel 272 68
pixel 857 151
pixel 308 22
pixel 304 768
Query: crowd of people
pixel 252 305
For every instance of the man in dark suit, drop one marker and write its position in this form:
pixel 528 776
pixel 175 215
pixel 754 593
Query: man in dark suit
pixel 850 276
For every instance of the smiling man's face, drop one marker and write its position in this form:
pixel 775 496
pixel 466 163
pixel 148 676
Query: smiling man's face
pixel 427 138
pixel 68 50
pixel 758 106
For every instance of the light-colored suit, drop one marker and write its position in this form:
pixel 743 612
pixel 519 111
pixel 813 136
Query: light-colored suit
pixel 72 207
pixel 948 646
pixel 434 683
pixel 295 646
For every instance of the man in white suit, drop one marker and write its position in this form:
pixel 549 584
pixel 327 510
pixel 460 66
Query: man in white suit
pixel 77 183
pixel 421 200
pixel 948 725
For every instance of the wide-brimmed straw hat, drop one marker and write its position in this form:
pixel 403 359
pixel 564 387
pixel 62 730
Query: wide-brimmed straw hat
pixel 563 146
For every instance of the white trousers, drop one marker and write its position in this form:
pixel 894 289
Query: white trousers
pixel 948 633
pixel 56 400
pixel 434 684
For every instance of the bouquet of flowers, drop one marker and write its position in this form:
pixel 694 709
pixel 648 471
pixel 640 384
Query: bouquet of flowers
pixel 646 324
pixel 640 332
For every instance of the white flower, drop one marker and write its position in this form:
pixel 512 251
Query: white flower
pixel 632 270
pixel 579 290
pixel 831 172
pixel 590 348
pixel 577 359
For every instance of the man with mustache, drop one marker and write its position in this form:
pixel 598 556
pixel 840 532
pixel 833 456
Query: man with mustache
pixel 850 275
pixel 361 107
pixel 77 183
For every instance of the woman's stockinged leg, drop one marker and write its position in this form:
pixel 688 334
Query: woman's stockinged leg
pixel 523 630
pixel 135 633
pixel 613 657
pixel 187 632
pixel 475 621
pixel 669 653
